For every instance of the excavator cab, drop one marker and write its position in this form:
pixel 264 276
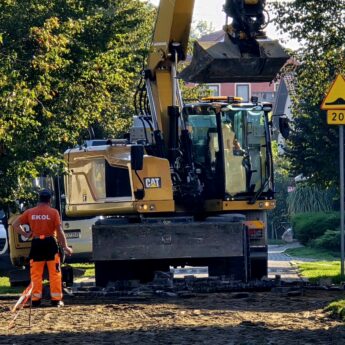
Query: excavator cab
pixel 230 149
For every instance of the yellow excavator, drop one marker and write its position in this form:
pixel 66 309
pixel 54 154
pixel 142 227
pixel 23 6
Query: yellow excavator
pixel 191 183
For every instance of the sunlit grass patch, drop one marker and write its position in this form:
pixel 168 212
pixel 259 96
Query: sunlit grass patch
pixel 321 270
pixel 5 287
pixel 337 309
pixel 88 268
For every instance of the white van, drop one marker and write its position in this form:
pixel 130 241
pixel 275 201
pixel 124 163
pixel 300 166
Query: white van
pixel 3 240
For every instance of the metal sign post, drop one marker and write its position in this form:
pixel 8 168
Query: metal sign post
pixel 341 160
pixel 334 103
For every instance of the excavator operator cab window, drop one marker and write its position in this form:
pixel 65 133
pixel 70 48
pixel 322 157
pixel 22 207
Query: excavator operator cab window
pixel 245 164
pixel 257 147
pixel 199 119
pixel 244 142
pixel 237 121
pixel 234 142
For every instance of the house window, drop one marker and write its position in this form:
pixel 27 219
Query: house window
pixel 264 96
pixel 242 90
pixel 214 89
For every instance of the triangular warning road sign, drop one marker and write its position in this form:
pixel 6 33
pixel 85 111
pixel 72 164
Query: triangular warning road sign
pixel 335 99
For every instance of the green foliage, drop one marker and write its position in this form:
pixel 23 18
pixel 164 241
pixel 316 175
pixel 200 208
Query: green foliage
pixel 280 213
pixel 192 93
pixel 329 240
pixel 337 309
pixel 65 65
pixel 309 226
pixel 200 28
pixel 319 26
pixel 282 181
pixel 307 198
pixel 312 253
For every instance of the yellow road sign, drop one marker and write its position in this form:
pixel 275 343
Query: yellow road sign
pixel 336 117
pixel 335 99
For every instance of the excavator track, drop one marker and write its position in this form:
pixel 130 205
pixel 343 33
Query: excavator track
pixel 164 285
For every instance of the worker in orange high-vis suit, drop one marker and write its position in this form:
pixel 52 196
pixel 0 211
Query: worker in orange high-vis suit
pixel 46 233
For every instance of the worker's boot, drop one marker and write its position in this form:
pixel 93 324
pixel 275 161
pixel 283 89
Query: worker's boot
pixel 57 304
pixel 36 304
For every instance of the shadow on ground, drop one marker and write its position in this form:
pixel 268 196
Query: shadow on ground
pixel 245 333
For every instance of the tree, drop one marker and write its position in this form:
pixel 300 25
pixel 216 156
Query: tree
pixel 200 28
pixel 319 27
pixel 193 92
pixel 279 215
pixel 64 66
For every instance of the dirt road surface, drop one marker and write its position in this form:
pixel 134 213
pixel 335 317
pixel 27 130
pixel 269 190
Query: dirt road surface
pixel 260 318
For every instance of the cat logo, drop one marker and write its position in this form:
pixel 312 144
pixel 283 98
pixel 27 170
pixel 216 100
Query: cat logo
pixel 152 182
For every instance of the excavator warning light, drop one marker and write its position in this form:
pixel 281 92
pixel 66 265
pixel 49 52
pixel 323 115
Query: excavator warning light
pixel 232 99
pixel 251 2
pixel 227 99
pixel 210 99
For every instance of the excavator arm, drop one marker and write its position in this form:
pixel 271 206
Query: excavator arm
pixel 172 26
pixel 248 16
pixel 245 55
pixel 169 45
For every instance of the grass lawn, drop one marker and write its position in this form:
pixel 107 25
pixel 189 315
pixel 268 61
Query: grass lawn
pixel 337 308
pixel 5 287
pixel 326 269
pixel 321 270
pixel 85 269
pixel 88 268
pixel 313 253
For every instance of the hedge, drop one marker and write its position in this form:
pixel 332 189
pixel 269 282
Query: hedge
pixel 330 240
pixel 309 226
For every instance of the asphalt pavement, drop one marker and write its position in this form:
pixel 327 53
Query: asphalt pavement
pixel 280 263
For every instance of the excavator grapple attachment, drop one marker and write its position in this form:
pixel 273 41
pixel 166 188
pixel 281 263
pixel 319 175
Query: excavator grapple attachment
pixel 222 62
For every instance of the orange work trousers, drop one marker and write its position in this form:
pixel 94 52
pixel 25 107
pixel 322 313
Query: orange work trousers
pixel 55 278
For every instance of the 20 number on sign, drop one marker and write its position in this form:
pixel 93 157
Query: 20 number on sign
pixel 336 117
